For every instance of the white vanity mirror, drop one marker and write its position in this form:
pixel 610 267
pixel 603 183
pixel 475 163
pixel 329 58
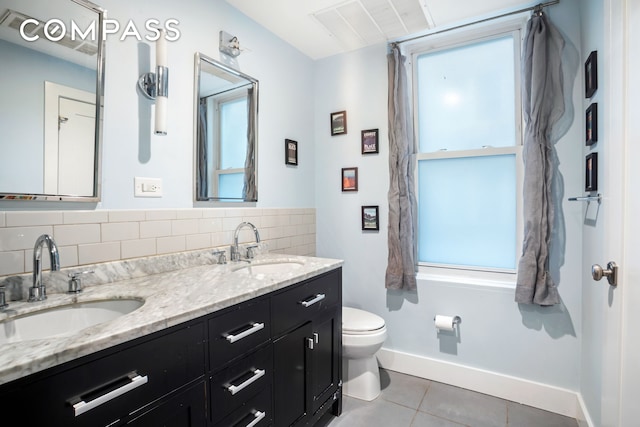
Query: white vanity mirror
pixel 51 103
pixel 225 133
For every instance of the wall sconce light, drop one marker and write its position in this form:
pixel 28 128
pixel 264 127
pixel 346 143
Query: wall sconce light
pixel 229 45
pixel 155 86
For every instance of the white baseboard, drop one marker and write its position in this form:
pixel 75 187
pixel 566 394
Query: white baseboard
pixel 543 396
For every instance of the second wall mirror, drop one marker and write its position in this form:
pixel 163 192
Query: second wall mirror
pixel 225 133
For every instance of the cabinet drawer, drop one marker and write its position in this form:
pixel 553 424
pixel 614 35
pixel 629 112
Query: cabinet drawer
pixel 115 384
pixel 297 305
pixel 234 386
pixel 238 331
pixel 256 412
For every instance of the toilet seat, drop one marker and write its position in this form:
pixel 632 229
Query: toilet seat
pixel 360 322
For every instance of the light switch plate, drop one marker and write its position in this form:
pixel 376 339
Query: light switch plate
pixel 147 187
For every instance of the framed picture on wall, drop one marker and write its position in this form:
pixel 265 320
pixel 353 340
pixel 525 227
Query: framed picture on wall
pixel 591 172
pixel 370 219
pixel 291 152
pixel 338 123
pixel 370 141
pixel 591 74
pixel 591 124
pixel 349 179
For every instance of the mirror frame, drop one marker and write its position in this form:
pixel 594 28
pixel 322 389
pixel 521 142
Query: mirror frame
pixel 199 58
pixel 97 170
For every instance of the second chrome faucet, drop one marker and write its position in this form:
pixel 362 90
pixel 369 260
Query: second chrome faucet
pixel 235 250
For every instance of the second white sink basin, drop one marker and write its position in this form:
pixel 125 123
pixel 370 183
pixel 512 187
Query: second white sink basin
pixel 64 320
pixel 276 267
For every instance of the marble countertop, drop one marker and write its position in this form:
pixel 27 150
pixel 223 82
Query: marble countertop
pixel 170 298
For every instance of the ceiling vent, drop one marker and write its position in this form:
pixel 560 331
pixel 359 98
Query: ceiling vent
pixel 14 20
pixel 359 23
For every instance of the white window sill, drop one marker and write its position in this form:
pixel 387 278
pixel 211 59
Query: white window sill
pixel 506 280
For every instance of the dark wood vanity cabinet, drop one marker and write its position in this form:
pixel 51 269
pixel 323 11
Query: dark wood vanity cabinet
pixel 307 350
pixel 270 361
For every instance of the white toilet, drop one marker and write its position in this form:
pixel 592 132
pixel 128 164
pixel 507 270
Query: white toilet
pixel 362 336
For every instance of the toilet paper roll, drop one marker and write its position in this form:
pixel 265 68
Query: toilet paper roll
pixel 446 323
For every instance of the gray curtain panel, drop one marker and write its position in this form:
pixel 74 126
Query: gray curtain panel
pixel 250 190
pixel 401 267
pixel 203 181
pixel 543 106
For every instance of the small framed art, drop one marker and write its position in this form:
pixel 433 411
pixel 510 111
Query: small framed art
pixel 349 179
pixel 338 123
pixel 591 124
pixel 291 152
pixel 370 219
pixel 591 74
pixel 370 141
pixel 591 172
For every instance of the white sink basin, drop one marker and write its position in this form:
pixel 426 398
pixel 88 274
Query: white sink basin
pixel 64 320
pixel 276 267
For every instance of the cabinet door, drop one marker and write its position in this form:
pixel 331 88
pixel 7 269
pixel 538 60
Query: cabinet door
pixel 325 358
pixel 188 409
pixel 291 355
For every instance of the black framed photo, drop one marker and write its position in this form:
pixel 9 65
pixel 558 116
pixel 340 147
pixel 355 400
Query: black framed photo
pixel 591 74
pixel 338 123
pixel 370 141
pixel 349 179
pixel 591 124
pixel 591 172
pixel 291 152
pixel 370 217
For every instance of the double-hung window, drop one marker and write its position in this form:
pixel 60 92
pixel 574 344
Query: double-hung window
pixel 468 127
pixel 229 116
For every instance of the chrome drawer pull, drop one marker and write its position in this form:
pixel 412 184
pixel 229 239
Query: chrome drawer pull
pixel 318 298
pixel 82 406
pixel 254 328
pixel 257 374
pixel 259 416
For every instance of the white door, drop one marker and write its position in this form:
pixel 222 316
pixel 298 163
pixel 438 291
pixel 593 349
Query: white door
pixel 611 351
pixel 76 147
pixel 630 360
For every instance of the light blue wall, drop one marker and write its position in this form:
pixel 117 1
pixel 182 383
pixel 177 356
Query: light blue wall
pixel 130 148
pixel 539 344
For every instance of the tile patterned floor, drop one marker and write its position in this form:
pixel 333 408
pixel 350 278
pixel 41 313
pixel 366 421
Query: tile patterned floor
pixel 408 401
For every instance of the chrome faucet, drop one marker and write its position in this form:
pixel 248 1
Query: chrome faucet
pixel 235 250
pixel 38 292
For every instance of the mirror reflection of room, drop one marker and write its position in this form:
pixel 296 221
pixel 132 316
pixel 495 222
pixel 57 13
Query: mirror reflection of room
pixel 49 144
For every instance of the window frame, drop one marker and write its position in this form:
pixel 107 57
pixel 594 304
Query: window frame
pixel 515 27
pixel 216 103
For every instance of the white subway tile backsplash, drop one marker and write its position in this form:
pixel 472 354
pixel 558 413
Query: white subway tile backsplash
pixel 65 235
pixel 138 248
pixel 118 231
pixel 98 252
pixel 85 217
pixel 155 229
pixel 29 219
pixel 11 262
pixel 126 216
pixel 16 238
pixel 168 245
pixel 87 237
pixel 184 227
pixel 198 241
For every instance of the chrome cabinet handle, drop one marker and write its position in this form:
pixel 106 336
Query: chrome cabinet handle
pixel 253 329
pixel 82 406
pixel 317 298
pixel 257 374
pixel 259 415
